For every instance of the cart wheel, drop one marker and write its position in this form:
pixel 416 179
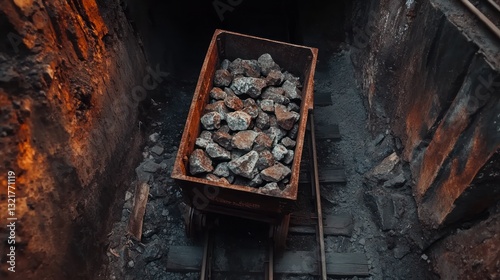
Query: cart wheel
pixel 281 232
pixel 195 223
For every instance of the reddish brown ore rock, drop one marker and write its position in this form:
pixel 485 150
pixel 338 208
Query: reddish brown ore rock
pixel 262 121
pixel 236 67
pixel 245 165
pixel 213 178
pixel 218 94
pixel 244 140
pixel 233 102
pixel 285 118
pixel 223 138
pixel 275 173
pixel 251 68
pixel 222 78
pixel 199 162
pixel 251 108
pixel 218 107
pixel 274 78
pixel 211 121
pixel 266 159
pixel 263 142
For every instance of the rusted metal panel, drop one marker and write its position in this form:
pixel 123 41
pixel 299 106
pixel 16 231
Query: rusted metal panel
pixel 243 200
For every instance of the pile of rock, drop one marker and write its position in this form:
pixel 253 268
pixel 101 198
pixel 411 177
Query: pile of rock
pixel 249 126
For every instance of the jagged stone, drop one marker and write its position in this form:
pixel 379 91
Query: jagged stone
pixel 262 142
pixel 267 105
pixel 266 64
pixel 288 157
pixel 248 85
pixel 250 68
pixel 287 76
pixel 245 165
pixel 288 142
pixel 274 78
pixel 244 140
pixel 256 181
pixel 199 162
pixel 293 107
pixel 214 178
pixel 279 152
pixel 222 78
pixel 292 133
pixel 222 170
pixel 211 120
pixel 266 159
pixel 236 67
pixel 291 91
pixel 275 173
pixel 251 108
pixel 262 121
pixel 276 95
pixel 223 138
pixel 218 107
pixel 238 120
pixel 217 152
pixel 218 93
pixel 276 134
pixel 225 64
pixel 395 182
pixel 285 118
pixel 202 142
pixel 233 102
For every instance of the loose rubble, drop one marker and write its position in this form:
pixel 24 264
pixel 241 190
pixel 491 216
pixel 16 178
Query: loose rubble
pixel 249 126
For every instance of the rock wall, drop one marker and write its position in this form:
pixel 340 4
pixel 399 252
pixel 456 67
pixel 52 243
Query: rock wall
pixel 437 90
pixel 72 74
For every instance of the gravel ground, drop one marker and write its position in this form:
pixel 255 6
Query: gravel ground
pixel 391 253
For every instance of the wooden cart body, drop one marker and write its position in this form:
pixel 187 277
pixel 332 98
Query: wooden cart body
pixel 229 199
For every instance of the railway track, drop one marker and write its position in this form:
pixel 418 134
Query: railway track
pixel 232 247
pixel 488 11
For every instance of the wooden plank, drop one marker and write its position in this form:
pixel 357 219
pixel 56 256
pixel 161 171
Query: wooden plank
pixel 330 131
pixel 184 258
pixel 339 224
pixel 137 215
pixel 337 264
pixel 347 264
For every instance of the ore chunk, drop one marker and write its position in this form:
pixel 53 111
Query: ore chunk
pixel 256 181
pixel 251 68
pixel 202 143
pixel 233 102
pixel 291 78
pixel 266 159
pixel 276 134
pixel 217 152
pixel 274 95
pixel 244 140
pixel 275 173
pixel 291 90
pixel 222 78
pixel 251 108
pixel 222 170
pixel 262 142
pixel 270 188
pixel 225 64
pixel 279 152
pixel 218 93
pixel 288 142
pixel 223 138
pixel 218 107
pixel 211 121
pixel 245 165
pixel 199 162
pixel 238 120
pixel 248 85
pixel 213 178
pixel 274 78
pixel 267 64
pixel 262 121
pixel 285 118
pixel 288 157
pixel 293 107
pixel 267 105
pixel 236 67
pixel 294 131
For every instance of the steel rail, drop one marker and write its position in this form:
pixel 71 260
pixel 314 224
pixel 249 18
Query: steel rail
pixel 482 17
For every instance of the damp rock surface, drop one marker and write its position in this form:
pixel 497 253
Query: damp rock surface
pixel 249 125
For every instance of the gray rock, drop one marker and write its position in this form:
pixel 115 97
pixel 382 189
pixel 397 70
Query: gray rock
pixel 395 182
pixel 218 107
pixel 142 175
pixel 274 78
pixel 222 170
pixel 266 64
pixel 266 159
pixel 279 152
pixel 251 68
pixel 217 152
pixel 270 188
pixel 199 162
pixel 205 134
pixel 223 138
pixel 153 251
pixel 275 173
pixel 251 108
pixel 381 172
pixel 288 142
pixel 276 134
pixel 292 133
pixel 217 93
pixel 293 107
pixel 154 137
pixel 244 140
pixel 157 150
pixel 202 142
pixel 245 165
pixel 288 157
pixel 285 118
pixel 291 91
pixel 222 78
pixel 211 121
pixel 267 105
pixel 262 121
pixel 256 181
pixel 238 120
pixel 150 166
pixel 248 85
pixel 262 142
pixel 236 67
pixel 291 78
pixel 225 64
pixel 382 205
pixel 276 95
pixel 400 251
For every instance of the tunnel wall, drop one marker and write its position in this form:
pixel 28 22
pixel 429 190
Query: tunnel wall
pixel 431 76
pixel 439 92
pixel 72 76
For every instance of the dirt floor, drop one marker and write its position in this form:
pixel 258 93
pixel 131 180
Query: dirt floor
pixel 389 238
